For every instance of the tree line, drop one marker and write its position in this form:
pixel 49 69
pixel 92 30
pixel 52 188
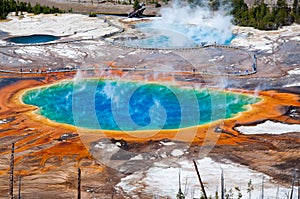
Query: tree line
pixel 265 17
pixel 7 6
pixel 259 15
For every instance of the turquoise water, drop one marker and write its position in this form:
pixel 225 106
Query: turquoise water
pixel 179 35
pixel 32 39
pixel 111 105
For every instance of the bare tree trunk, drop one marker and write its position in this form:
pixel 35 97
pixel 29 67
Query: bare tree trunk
pixel 12 162
pixel 19 188
pixel 113 193
pixel 198 174
pixel 79 184
pixel 298 187
pixel 222 186
pixel 262 187
pixel 293 183
pixel 277 192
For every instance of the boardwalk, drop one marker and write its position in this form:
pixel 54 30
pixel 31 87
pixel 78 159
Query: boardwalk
pixel 252 68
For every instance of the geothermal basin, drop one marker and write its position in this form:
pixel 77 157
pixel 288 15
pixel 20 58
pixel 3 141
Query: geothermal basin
pixel 157 88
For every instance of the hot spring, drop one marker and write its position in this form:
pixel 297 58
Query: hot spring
pixel 131 106
pixel 32 39
pixel 178 36
pixel 183 25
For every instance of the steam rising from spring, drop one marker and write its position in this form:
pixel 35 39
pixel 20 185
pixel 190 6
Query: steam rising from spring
pixel 196 23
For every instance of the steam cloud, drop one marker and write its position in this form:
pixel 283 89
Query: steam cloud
pixel 197 24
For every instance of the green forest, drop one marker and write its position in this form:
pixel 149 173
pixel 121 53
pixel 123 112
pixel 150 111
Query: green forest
pixel 7 6
pixel 264 17
pixel 259 15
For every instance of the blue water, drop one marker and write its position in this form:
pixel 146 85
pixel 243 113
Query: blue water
pixel 32 39
pixel 111 105
pixel 179 35
pixel 3 34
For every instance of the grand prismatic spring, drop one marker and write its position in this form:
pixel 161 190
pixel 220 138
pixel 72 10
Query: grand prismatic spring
pixel 131 102
pixel 153 106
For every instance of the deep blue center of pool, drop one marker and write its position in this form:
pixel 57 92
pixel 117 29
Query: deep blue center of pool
pixel 32 39
pixel 111 105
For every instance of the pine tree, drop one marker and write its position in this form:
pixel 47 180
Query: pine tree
pixel 29 7
pixel 296 7
pixel 214 5
pixel 136 4
pixel 296 12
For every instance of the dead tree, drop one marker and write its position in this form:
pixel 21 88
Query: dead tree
pixel 113 193
pixel 179 195
pixel 293 183
pixel 19 188
pixel 79 184
pixel 299 187
pixel 199 177
pixel 222 186
pixel 12 162
pixel 262 187
pixel 277 192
